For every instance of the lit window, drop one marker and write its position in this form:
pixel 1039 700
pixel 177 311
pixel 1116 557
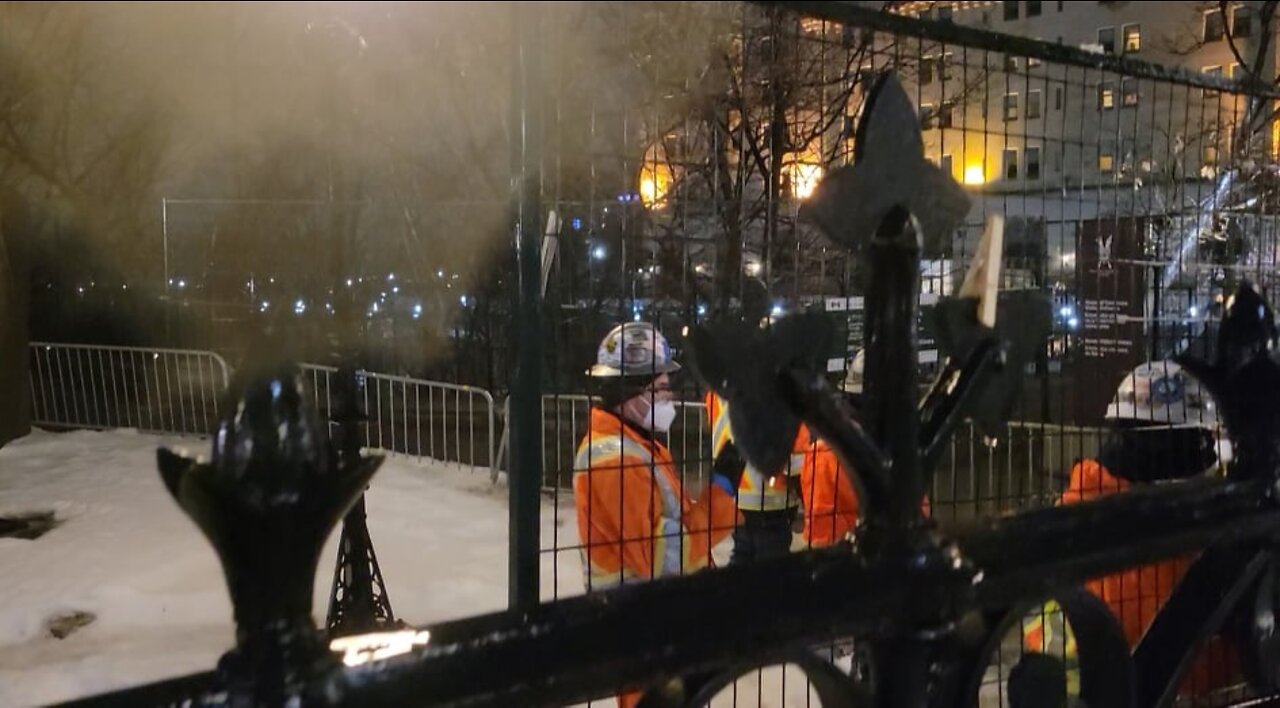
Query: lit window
pixel 1106 96
pixel 1132 38
pixel 1106 161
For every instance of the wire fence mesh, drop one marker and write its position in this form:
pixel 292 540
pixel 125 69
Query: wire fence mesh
pixel 681 141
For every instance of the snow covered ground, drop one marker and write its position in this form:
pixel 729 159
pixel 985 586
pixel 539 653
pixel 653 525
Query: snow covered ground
pixel 127 554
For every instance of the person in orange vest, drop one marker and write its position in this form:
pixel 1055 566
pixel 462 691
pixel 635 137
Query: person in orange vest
pixel 635 520
pixel 1165 424
pixel 830 500
pixel 767 502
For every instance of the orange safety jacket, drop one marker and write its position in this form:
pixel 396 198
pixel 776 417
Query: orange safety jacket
pixel 757 491
pixel 1134 595
pixel 634 519
pixel 830 501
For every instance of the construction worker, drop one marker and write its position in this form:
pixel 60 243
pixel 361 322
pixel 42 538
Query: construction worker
pixel 634 518
pixel 768 502
pixel 1165 426
pixel 830 501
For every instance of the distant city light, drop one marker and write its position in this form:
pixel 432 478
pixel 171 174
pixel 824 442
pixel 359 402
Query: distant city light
pixel 182 284
pixel 1066 311
pixel 777 310
pixel 80 289
pixel 299 307
pixel 463 300
pixel 350 282
pixel 391 276
pixel 417 311
pixel 264 306
pixel 1193 311
pixel 395 289
pixel 702 309
pixel 753 268
pixel 375 307
pixel 576 224
pixel 598 253
pixel 635 317
pixel 1074 323
pixel 271 280
pixel 439 273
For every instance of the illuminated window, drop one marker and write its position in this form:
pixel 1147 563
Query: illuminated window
pixel 1106 161
pixel 1106 96
pixel 1132 39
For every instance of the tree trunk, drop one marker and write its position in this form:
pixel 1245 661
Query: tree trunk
pixel 15 290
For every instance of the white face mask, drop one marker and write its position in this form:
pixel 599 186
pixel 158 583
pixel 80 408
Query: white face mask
pixel 657 417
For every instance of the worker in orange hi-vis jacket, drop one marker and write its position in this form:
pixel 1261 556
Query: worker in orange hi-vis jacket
pixel 830 500
pixel 635 520
pixel 1165 431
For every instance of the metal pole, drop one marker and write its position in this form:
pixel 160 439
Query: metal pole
pixel 526 420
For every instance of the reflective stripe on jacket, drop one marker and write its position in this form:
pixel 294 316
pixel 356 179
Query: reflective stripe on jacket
pixel 757 491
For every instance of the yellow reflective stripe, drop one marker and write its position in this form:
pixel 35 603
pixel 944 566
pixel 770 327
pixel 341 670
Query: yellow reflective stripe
pixel 721 433
pixel 599 579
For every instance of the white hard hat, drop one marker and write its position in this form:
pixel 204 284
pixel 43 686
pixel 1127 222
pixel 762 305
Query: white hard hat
pixel 1160 392
pixel 853 376
pixel 633 349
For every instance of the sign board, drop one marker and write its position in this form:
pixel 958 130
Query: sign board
pixel 1112 294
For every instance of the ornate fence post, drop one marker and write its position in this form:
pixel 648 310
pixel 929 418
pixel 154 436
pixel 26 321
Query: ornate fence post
pixel 267 500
